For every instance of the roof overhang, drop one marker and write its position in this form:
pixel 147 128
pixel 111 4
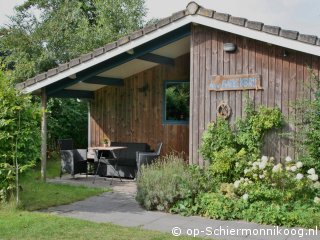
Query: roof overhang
pixel 127 52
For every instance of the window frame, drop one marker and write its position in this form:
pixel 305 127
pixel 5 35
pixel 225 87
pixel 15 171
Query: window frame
pixel 164 104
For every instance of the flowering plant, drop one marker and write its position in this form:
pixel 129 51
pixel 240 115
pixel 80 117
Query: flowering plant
pixel 266 179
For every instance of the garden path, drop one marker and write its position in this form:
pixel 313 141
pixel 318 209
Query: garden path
pixel 119 207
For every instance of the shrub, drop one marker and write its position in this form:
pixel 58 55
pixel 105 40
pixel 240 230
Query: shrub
pixel 251 130
pixel 228 164
pixel 19 129
pixel 266 180
pixel 217 136
pixel 220 145
pixel 165 182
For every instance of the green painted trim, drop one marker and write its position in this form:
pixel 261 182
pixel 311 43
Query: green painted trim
pixel 105 81
pixel 150 57
pixel 164 100
pixel 73 94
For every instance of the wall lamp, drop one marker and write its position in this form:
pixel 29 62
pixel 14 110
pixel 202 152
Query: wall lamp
pixel 229 47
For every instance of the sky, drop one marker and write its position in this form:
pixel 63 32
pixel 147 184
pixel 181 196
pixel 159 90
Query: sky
pixel 299 15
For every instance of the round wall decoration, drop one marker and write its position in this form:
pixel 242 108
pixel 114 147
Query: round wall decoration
pixel 224 110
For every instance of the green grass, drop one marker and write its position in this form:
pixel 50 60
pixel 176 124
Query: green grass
pixel 36 194
pixel 19 224
pixel 26 225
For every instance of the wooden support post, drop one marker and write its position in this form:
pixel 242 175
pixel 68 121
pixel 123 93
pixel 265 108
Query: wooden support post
pixel 43 134
pixel 89 124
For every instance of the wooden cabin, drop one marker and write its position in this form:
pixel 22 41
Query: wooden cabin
pixel 217 58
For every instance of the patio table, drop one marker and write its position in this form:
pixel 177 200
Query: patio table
pixel 111 149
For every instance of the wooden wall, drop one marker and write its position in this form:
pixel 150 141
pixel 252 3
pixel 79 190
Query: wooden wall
pixel 129 115
pixel 284 80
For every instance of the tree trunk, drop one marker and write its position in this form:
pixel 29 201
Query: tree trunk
pixel 43 135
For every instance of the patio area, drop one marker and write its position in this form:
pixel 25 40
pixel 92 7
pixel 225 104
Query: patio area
pixel 127 186
pixel 120 207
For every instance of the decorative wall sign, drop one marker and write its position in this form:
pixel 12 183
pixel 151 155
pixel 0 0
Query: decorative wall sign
pixel 235 82
pixel 223 110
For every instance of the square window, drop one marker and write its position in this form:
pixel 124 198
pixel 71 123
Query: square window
pixel 176 102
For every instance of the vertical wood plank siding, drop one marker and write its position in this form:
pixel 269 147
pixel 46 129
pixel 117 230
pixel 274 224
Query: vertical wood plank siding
pixel 126 114
pixel 283 82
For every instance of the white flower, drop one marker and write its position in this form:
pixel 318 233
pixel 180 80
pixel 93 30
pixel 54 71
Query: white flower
pixel 237 183
pixel 316 185
pixel 264 159
pixel 261 176
pixel 311 171
pixel 287 168
pixel 316 200
pixel 293 168
pixel 313 177
pixel 299 176
pixel 299 164
pixel 246 171
pixel 271 159
pixel 277 168
pixel 245 197
pixel 262 165
pixel 288 159
pixel 255 165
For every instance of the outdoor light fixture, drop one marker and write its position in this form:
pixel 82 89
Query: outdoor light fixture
pixel 285 53
pixel 229 47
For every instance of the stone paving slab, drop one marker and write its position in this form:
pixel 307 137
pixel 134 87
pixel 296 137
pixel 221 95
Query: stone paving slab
pixel 119 207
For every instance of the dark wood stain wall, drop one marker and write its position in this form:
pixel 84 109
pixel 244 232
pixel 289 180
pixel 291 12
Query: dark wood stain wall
pixel 284 80
pixel 128 114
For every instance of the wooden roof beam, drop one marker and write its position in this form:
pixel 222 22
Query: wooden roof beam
pixel 104 81
pixel 73 94
pixel 151 57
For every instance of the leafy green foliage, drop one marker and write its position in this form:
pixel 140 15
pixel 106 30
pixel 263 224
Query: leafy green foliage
pixel 177 101
pixel 267 193
pixel 64 30
pixel 217 136
pixel 37 44
pixel 313 135
pixel 67 118
pixel 163 183
pixel 228 151
pixel 228 163
pixel 19 128
pixel 305 119
pixel 251 130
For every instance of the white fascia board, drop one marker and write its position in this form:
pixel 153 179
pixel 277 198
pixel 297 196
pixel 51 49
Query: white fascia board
pixel 257 35
pixel 110 54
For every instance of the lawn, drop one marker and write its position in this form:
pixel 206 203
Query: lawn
pixel 21 224
pixel 36 194
pixel 26 225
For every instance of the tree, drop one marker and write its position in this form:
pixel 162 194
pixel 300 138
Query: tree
pixel 45 33
pixel 19 135
pixel 64 30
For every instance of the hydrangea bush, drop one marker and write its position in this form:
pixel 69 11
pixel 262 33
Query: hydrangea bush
pixel 286 183
pixel 267 192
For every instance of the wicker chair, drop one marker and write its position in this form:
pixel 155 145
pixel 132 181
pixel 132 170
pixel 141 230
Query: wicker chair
pixel 73 161
pixel 146 158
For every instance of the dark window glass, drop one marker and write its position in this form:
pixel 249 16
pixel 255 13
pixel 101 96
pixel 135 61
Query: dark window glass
pixel 177 98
